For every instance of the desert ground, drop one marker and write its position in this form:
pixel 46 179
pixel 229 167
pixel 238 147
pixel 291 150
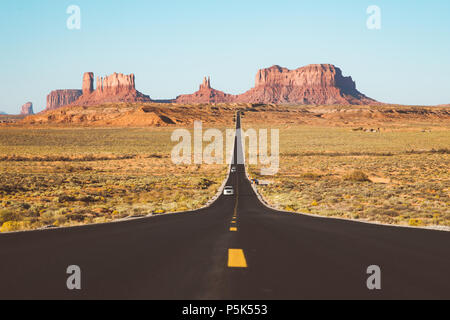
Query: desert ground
pixel 79 165
pixel 54 177
pixel 370 165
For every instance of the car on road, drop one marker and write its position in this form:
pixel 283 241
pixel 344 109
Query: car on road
pixel 233 169
pixel 228 191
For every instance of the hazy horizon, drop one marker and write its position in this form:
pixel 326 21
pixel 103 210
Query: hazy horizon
pixel 170 46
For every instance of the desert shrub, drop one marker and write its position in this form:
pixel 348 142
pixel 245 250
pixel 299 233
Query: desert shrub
pixel 7 215
pixel 49 217
pixel 69 168
pixel 356 176
pixel 87 199
pixel 60 220
pixel 392 213
pixel 441 151
pixel 205 183
pixel 415 222
pixel 77 217
pixel 25 206
pixel 311 176
pixel 34 211
pixel 10 226
pixel 289 185
pixel 66 198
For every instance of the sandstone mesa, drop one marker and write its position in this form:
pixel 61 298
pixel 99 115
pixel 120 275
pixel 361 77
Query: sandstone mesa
pixel 27 109
pixel 60 98
pixel 311 85
pixel 114 88
pixel 314 84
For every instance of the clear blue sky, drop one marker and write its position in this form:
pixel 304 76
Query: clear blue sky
pixel 170 45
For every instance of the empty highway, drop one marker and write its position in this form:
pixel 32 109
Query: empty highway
pixel 235 249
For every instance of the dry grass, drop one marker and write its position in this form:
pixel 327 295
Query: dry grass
pixel 65 177
pixel 398 176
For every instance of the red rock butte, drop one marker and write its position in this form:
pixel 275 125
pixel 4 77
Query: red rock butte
pixel 114 88
pixel 27 109
pixel 315 84
pixel 205 94
pixel 59 98
pixel 88 83
pixel 311 85
pixel 117 87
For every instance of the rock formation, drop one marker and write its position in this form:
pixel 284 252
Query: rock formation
pixel 116 83
pixel 314 84
pixel 114 88
pixel 88 83
pixel 206 84
pixel 205 94
pixel 27 109
pixel 59 98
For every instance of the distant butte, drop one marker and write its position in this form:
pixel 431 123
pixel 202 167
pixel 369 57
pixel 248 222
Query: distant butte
pixel 311 85
pixel 27 109
pixel 315 84
pixel 205 94
pixel 59 98
pixel 114 88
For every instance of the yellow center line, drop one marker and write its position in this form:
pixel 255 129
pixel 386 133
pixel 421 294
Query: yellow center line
pixel 234 229
pixel 237 199
pixel 233 221
pixel 236 258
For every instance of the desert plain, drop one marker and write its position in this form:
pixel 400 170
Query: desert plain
pixel 80 165
pixel 383 164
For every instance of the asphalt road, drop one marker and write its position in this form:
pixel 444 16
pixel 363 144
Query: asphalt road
pixel 186 256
